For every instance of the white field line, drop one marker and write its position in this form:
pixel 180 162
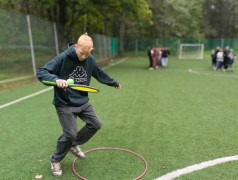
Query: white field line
pixel 197 167
pixel 14 79
pixel 197 72
pixel 114 64
pixel 45 90
pixel 26 97
pixel 207 74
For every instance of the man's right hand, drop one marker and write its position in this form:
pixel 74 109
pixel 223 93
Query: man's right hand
pixel 61 83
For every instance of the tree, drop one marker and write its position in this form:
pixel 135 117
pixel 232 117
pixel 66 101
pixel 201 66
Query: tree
pixel 221 17
pixel 127 14
pixel 174 18
pixel 161 19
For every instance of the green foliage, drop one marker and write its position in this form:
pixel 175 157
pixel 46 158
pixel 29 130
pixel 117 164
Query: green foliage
pixel 221 18
pixel 175 18
pixel 141 18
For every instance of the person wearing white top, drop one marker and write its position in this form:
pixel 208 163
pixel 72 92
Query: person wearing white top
pixel 220 59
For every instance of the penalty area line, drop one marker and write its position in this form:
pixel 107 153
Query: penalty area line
pixel 196 167
pixel 195 72
pixel 208 74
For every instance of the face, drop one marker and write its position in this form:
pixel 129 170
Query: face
pixel 82 52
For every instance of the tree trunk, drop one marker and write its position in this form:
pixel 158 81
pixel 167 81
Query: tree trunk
pixel 62 12
pixel 62 19
pixel 121 36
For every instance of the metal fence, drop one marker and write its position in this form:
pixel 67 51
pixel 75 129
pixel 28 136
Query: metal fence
pixel 28 42
pixel 23 46
pixel 104 47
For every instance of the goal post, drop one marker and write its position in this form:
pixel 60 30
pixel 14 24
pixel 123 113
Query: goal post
pixel 191 51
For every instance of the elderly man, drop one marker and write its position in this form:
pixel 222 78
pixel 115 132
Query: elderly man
pixel 78 64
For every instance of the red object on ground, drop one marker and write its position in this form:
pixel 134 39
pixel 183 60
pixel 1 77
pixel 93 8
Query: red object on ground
pixel 111 148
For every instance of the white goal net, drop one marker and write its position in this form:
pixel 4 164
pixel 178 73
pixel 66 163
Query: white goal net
pixel 191 51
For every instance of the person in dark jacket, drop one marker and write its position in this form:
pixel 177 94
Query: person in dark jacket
pixel 165 54
pixel 75 63
pixel 150 55
pixel 216 51
pixel 232 57
pixel 226 58
pixel 213 57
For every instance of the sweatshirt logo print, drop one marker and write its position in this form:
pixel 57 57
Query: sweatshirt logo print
pixel 78 75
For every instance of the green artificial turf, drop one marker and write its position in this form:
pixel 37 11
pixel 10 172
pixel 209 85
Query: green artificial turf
pixel 174 117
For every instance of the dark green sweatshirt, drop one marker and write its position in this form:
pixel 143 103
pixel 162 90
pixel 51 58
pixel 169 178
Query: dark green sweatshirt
pixel 67 66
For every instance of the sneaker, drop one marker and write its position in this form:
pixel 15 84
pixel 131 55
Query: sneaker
pixel 56 169
pixel 77 152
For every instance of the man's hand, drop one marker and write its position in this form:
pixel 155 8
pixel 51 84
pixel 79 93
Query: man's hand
pixel 119 86
pixel 61 83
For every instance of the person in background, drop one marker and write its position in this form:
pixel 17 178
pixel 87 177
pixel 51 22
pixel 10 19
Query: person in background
pixel 226 58
pixel 232 57
pixel 165 54
pixel 160 56
pixel 219 59
pixel 216 51
pixel 213 57
pixel 150 55
pixel 156 58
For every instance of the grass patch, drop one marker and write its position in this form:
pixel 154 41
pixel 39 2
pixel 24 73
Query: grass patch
pixel 172 117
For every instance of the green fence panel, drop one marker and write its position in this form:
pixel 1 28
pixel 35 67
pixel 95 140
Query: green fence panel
pixel 114 47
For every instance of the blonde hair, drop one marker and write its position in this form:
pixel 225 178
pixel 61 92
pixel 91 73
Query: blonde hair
pixel 85 42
